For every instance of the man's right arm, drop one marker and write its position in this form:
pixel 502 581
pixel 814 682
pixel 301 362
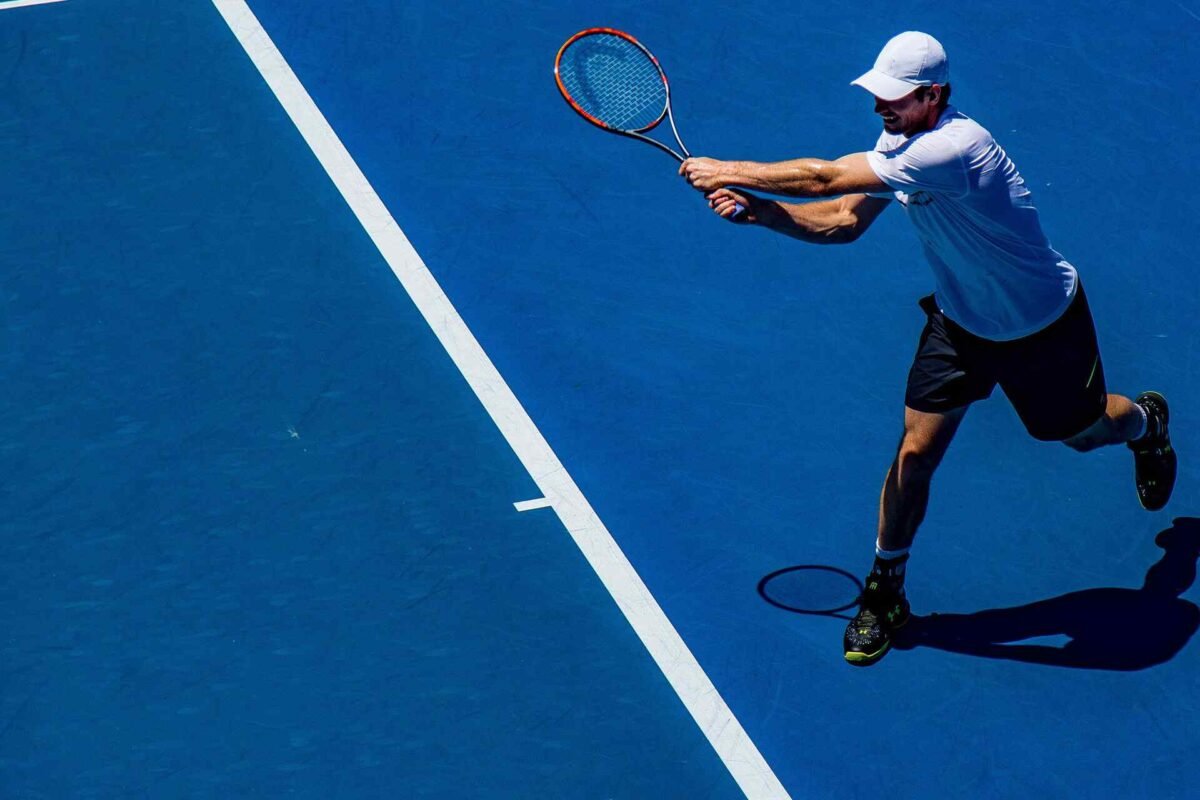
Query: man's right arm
pixel 837 221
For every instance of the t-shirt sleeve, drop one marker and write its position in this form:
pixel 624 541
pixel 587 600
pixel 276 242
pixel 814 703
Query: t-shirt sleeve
pixel 931 162
pixel 880 145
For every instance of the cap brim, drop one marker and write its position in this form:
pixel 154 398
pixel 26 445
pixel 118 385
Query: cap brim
pixel 885 87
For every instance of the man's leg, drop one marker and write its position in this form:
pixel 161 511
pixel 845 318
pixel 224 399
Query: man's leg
pixel 902 504
pixel 1123 421
pixel 1055 381
pixel 905 494
pixel 1143 424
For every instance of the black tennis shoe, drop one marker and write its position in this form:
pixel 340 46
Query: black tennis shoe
pixel 869 635
pixel 1154 461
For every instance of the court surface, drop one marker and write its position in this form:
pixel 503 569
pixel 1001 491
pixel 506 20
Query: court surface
pixel 258 518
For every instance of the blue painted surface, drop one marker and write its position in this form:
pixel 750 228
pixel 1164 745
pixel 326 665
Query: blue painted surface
pixel 259 536
pixel 727 400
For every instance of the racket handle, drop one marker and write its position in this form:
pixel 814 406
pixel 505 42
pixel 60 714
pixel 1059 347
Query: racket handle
pixel 739 211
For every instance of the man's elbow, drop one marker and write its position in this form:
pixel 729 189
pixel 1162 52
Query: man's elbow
pixel 825 185
pixel 824 180
pixel 848 231
pixel 833 236
pixel 841 237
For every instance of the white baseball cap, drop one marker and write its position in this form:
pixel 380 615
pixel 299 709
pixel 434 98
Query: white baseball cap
pixel 907 61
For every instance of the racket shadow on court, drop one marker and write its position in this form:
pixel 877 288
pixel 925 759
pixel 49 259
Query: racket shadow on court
pixel 814 589
pixel 1108 628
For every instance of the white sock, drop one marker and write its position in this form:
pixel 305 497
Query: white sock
pixel 889 565
pixel 1145 423
pixel 890 555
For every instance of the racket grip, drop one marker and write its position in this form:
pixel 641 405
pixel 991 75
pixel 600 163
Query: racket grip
pixel 739 211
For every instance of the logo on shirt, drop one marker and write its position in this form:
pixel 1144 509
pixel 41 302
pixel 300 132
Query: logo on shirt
pixel 920 198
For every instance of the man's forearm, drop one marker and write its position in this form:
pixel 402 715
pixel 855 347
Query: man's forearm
pixel 801 177
pixel 822 222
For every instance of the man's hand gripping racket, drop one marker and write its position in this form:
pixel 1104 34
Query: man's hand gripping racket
pixel 714 179
pixel 614 82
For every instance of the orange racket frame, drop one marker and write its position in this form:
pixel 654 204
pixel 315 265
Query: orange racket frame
pixel 637 133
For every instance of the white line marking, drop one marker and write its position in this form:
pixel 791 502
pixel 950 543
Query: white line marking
pixel 530 505
pixel 23 3
pixel 668 649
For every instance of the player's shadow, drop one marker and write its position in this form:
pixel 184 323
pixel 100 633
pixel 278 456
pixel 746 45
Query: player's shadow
pixel 1110 628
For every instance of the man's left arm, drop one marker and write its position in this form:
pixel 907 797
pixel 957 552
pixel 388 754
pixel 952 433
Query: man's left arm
pixel 801 177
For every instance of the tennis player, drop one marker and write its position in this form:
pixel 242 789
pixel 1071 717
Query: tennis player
pixel 1007 309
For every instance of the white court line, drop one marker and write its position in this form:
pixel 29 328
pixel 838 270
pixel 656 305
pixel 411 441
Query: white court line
pixel 23 3
pixel 659 636
pixel 530 505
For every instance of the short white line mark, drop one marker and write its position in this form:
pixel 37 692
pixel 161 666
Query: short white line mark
pixel 530 505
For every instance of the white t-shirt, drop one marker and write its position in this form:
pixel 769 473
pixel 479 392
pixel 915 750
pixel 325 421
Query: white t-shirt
pixel 996 274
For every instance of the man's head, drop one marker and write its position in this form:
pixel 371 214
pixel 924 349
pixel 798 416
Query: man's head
pixel 910 81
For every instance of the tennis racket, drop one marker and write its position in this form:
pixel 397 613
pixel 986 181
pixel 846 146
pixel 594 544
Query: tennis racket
pixel 616 84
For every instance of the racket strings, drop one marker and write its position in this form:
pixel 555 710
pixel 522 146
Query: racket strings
pixel 614 81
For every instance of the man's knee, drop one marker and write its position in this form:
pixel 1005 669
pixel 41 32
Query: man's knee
pixel 925 440
pixel 917 458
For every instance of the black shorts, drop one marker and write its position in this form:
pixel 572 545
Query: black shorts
pixel 1053 378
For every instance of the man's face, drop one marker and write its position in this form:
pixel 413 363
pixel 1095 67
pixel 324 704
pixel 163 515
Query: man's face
pixel 910 114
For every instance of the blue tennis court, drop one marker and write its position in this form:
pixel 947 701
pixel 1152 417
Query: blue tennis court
pixel 374 427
